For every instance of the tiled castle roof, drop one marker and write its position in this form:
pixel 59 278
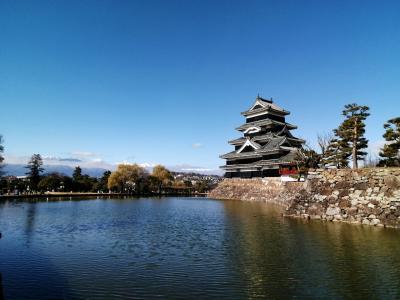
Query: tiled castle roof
pixel 267 141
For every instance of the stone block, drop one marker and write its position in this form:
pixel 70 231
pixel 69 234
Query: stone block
pixel 358 192
pixel 344 203
pixel 392 182
pixel 365 222
pixel 354 202
pixel 361 186
pixel 331 211
pixel 375 221
pixel 352 211
pixel 338 217
pixel 332 200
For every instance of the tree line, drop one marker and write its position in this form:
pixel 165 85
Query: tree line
pixel 126 179
pixel 38 182
pixel 347 143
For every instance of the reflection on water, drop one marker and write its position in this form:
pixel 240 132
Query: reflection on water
pixel 1 287
pixel 30 222
pixel 312 259
pixel 189 248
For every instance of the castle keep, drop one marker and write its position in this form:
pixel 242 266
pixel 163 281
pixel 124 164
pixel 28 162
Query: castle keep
pixel 267 147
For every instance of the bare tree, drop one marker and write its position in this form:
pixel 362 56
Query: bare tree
pixel 324 140
pixel 371 161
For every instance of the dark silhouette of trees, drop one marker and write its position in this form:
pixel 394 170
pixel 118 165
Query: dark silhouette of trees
pixel 351 132
pixel 337 154
pixel 55 182
pixel 34 171
pixel 390 152
pixel 348 139
pixel 102 183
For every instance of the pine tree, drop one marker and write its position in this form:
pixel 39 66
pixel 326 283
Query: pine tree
pixel 77 179
pixel 104 180
pixel 336 154
pixel 35 169
pixel 77 174
pixel 391 150
pixel 352 131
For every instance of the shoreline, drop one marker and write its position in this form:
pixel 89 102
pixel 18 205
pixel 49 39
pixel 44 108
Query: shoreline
pixel 75 195
pixel 362 196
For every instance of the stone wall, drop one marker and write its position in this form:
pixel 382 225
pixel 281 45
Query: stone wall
pixel 271 190
pixel 364 196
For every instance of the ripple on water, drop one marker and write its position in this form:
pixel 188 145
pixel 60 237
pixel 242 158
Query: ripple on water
pixel 188 249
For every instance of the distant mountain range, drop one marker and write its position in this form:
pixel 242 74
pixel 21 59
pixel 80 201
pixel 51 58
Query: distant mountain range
pixel 20 170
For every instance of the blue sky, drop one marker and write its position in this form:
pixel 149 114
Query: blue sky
pixel 165 81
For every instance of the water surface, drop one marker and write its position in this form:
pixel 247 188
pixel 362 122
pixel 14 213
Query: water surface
pixel 188 248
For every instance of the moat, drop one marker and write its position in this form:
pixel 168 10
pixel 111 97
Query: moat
pixel 188 248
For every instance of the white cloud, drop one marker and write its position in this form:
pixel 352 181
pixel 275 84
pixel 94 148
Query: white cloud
pixel 60 159
pixel 14 159
pixel 197 145
pixel 51 160
pixel 195 169
pixel 97 162
pixel 148 165
pixel 83 154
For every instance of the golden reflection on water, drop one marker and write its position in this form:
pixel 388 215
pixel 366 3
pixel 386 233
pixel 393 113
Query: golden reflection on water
pixel 320 259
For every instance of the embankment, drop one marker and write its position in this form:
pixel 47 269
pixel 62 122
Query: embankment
pixel 271 190
pixel 364 196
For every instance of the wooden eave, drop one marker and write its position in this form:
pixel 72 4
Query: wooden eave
pixel 242 140
pixel 234 155
pixel 255 153
pixel 258 164
pixel 237 142
pixel 296 140
pixel 265 122
pixel 266 110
